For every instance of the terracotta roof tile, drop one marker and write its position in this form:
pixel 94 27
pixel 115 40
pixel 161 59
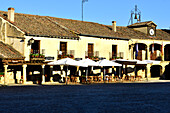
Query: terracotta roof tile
pixel 52 26
pixel 7 51
pixel 142 24
pixel 39 25
pixel 161 34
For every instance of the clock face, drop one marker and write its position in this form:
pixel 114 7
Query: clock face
pixel 151 32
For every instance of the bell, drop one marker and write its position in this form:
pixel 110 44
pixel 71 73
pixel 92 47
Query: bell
pixel 136 16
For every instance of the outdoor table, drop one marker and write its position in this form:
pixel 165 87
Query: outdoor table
pixel 90 79
pixel 139 78
pixel 76 79
pixel 99 79
pixel 110 79
pixel 68 79
pixel 95 78
pixel 131 78
pixel 115 78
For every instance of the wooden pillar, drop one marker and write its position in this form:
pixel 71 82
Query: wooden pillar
pixel 120 71
pixel 5 75
pixel 51 73
pixel 131 52
pixel 135 70
pixel 148 53
pixel 113 72
pixel 24 73
pixel 163 70
pixel 43 73
pixel 126 70
pixel 66 74
pixel 62 73
pixel 148 71
pixel 163 52
pixel 86 73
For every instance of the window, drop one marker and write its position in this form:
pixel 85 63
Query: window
pixel 63 47
pixel 114 51
pixel 35 47
pixel 90 50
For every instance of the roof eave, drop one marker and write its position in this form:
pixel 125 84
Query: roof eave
pixel 105 37
pixel 50 36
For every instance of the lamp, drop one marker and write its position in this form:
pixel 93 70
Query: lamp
pixel 30 41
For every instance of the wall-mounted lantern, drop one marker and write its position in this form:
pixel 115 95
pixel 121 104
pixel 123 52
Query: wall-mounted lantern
pixel 30 41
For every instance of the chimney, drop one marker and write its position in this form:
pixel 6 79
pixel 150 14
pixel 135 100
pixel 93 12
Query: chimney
pixel 114 26
pixel 11 14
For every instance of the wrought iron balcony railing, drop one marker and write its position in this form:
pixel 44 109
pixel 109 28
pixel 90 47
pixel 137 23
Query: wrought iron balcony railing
pixel 66 54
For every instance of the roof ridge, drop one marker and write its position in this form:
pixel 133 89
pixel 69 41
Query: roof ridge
pixel 77 20
pixel 63 27
pixel 55 17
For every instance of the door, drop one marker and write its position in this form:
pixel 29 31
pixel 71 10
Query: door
pixel 114 51
pixel 63 47
pixel 35 47
pixel 90 50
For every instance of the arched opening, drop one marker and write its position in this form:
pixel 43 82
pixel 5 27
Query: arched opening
pixel 166 74
pixel 34 73
pixel 140 51
pixel 167 52
pixel 155 50
pixel 156 71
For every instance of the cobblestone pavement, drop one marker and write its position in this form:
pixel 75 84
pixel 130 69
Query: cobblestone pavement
pixel 95 98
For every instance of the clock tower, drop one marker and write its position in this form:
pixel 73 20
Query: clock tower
pixel 148 27
pixel 152 29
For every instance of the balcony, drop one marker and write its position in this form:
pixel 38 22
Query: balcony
pixel 92 55
pixel 66 54
pixel 116 56
pixel 37 56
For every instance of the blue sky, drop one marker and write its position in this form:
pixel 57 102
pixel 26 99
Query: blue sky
pixel 99 11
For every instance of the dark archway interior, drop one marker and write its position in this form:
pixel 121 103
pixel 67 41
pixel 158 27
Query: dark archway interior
pixel 156 71
pixel 167 52
pixel 141 47
pixel 166 74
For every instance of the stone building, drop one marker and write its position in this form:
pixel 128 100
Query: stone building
pixel 40 39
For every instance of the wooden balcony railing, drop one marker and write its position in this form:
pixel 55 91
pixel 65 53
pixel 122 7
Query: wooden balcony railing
pixel 37 55
pixel 119 55
pixel 65 54
pixel 92 55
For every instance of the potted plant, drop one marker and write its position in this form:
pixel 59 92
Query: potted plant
pixel 71 56
pixel 21 81
pixel 96 57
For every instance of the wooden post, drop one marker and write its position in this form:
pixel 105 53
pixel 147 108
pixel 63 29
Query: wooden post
pixel 43 73
pixel 120 71
pixel 66 74
pixel 24 73
pixel 86 73
pixel 148 53
pixel 146 73
pixel 5 75
pixel 51 73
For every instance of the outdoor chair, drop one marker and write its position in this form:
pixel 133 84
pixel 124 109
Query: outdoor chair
pixel 116 78
pixel 99 79
pixel 132 78
pixel 89 79
pixel 139 78
pixel 95 78
pixel 110 79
